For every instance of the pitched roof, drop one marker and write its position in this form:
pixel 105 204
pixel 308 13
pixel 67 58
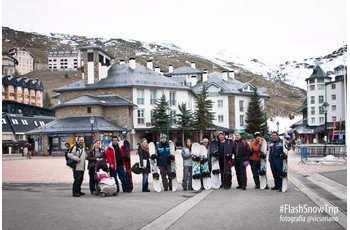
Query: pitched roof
pixel 21 124
pixel 184 70
pixel 122 76
pixel 104 100
pixel 76 124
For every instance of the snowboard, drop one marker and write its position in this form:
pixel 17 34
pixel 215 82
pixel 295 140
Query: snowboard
pixel 262 174
pixel 215 165
pixel 196 168
pixel 285 168
pixel 205 173
pixel 227 179
pixel 157 186
pixel 127 164
pixel 173 167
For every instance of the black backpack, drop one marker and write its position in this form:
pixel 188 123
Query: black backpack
pixel 69 162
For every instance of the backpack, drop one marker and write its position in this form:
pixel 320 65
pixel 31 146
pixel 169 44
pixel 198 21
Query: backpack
pixel 70 162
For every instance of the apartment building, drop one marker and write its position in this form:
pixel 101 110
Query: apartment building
pixel 25 60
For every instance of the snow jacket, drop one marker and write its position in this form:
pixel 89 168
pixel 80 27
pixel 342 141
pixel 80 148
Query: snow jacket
pixel 74 154
pixel 187 156
pixel 256 148
pixel 144 155
pixel 111 158
pixel 163 153
pixel 241 150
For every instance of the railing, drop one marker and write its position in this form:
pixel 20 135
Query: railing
pixel 323 150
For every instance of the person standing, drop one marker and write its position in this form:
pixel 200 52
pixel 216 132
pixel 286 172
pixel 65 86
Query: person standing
pixel 205 142
pixel 94 155
pixel 114 157
pixel 259 149
pixel 186 154
pixel 221 152
pixel 163 162
pixel 78 153
pixel 144 155
pixel 242 153
pixel 276 156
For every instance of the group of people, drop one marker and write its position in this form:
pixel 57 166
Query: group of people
pixel 243 153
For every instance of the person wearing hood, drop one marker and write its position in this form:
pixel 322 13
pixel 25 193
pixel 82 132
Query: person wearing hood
pixel 114 157
pixel 163 162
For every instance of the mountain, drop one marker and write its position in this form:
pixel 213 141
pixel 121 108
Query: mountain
pixel 285 83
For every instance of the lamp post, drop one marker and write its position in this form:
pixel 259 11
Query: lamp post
pixel 325 108
pixel 278 127
pixel 92 120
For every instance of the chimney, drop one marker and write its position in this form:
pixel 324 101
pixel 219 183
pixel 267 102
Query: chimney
pixel 132 63
pixel 193 64
pixel 205 75
pixel 231 74
pixel 171 68
pixel 150 64
pixel 224 75
pixel 157 69
pixel 121 62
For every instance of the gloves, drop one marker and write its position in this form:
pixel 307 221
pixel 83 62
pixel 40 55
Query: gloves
pixel 153 156
pixel 171 157
pixel 262 155
pixel 284 156
pixel 245 163
pixel 228 156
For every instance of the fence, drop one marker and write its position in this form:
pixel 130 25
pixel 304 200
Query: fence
pixel 322 150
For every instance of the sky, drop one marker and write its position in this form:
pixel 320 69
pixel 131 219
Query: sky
pixel 271 30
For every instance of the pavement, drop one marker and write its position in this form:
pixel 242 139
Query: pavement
pixel 36 194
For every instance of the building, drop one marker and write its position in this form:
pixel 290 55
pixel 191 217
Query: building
pixel 324 110
pixel 24 58
pixel 9 64
pixel 22 90
pixel 63 60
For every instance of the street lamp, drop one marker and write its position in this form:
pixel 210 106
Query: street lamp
pixel 325 106
pixel 92 120
pixel 278 127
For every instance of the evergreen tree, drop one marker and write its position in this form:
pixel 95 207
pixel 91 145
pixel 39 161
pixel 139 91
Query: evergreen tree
pixel 203 116
pixel 47 101
pixel 256 119
pixel 184 119
pixel 160 116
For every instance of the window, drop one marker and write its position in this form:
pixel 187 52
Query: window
pixel 241 120
pixel 36 123
pixel 153 97
pixel 312 120
pixel 312 87
pixel 220 103
pixel 333 86
pixel 4 121
pixel 88 109
pixel 312 110
pixel 334 97
pixel 321 120
pixel 173 117
pixel 320 99
pixel 312 100
pixel 334 107
pixel 320 80
pixel 90 57
pixel 220 118
pixel 41 123
pixel 241 108
pixel 140 99
pixel 320 109
pixel 172 96
pixel 14 121
pixel 312 81
pixel 24 122
pixel 140 116
pixel 320 87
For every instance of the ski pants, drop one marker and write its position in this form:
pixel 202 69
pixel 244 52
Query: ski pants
pixel 276 165
pixel 187 177
pixel 164 172
pixel 241 173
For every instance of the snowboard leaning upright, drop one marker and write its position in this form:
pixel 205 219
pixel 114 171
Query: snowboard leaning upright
pixel 215 165
pixel 196 167
pixel 227 179
pixel 127 164
pixel 157 186
pixel 205 174
pixel 173 167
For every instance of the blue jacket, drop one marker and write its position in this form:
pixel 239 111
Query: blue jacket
pixel 276 148
pixel 163 152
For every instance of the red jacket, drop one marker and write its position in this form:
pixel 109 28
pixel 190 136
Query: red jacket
pixel 110 156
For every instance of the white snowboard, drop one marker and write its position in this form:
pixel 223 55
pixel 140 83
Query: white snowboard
pixel 205 168
pixel 157 186
pixel 173 167
pixel 196 168
pixel 215 166
pixel 263 178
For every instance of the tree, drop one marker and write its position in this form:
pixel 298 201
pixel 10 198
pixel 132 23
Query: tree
pixel 203 116
pixel 160 116
pixel 184 119
pixel 256 119
pixel 47 101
